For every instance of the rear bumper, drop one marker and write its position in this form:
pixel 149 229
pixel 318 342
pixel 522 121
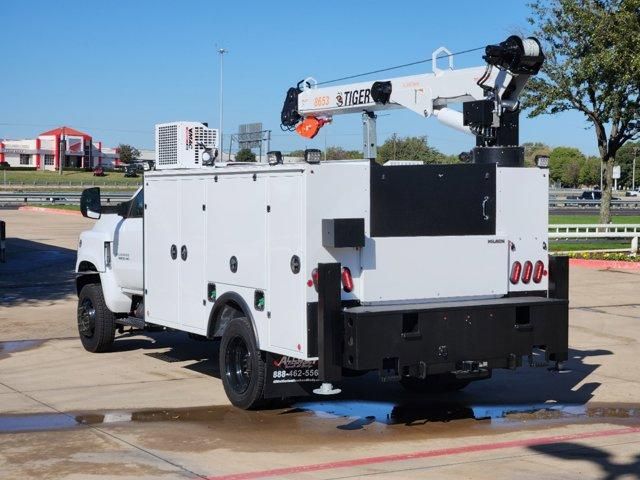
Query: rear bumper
pixel 426 339
pixel 439 337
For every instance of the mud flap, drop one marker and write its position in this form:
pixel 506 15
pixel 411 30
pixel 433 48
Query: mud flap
pixel 290 377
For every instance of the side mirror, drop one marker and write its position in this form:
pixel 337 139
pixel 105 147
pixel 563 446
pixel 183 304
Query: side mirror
pixel 90 205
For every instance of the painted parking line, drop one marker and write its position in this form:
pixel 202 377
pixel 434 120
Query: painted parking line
pixel 444 452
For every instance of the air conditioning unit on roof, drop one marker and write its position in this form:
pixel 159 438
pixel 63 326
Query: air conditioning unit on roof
pixel 182 144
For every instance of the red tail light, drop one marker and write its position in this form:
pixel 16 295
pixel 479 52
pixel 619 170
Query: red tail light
pixel 314 277
pixel 527 271
pixel 347 280
pixel 538 271
pixel 516 269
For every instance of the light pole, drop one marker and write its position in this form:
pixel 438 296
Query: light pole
pixel 221 52
pixel 633 174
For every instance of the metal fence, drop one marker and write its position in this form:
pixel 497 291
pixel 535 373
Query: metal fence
pixel 597 231
pixel 69 198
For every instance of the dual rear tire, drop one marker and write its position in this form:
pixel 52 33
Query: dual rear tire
pixel 242 365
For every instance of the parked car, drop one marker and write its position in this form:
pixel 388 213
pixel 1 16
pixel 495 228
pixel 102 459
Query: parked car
pixel 130 171
pixel 98 171
pixel 593 197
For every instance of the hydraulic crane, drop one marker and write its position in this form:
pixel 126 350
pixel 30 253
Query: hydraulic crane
pixel 489 96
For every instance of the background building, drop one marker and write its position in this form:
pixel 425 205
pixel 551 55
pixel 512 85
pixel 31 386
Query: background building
pixel 43 152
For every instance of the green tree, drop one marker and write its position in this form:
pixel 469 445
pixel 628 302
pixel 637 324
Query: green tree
pixel 531 149
pixel 590 172
pixel 339 153
pixel 409 148
pixel 245 155
pixel 296 153
pixel 565 164
pixel 592 66
pixel 624 158
pixel 127 153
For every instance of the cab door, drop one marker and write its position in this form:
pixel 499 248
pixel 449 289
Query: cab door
pixel 127 246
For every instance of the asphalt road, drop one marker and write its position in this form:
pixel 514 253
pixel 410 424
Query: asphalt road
pixel 155 408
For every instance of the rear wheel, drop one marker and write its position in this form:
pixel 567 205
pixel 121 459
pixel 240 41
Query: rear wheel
pixel 96 323
pixel 434 384
pixel 242 366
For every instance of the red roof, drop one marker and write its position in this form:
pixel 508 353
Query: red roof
pixel 66 131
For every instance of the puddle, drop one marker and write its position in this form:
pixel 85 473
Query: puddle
pixel 36 422
pixel 325 417
pixel 392 414
pixel 7 348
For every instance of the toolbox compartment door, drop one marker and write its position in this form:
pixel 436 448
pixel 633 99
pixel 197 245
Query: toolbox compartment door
pixel 161 267
pixel 415 268
pixel 285 298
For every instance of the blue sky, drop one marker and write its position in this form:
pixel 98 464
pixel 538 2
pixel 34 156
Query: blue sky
pixel 116 68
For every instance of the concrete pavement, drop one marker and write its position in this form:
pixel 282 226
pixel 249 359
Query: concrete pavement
pixel 155 408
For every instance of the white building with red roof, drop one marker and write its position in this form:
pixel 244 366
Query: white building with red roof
pixel 44 151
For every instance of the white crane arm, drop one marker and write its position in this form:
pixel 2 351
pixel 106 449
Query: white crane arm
pixel 308 107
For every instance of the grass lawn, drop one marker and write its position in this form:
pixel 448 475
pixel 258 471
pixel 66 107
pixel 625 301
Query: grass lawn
pixel 60 206
pixel 67 178
pixel 591 219
pixel 565 246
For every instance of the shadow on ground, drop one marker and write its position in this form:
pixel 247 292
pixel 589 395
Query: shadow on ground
pixel 36 271
pixel 364 400
pixel 611 470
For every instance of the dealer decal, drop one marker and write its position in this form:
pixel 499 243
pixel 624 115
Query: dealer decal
pixel 288 369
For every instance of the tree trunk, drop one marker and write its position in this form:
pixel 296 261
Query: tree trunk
pixel 607 190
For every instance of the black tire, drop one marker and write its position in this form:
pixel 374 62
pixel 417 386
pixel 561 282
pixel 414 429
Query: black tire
pixel 434 384
pixel 96 323
pixel 242 366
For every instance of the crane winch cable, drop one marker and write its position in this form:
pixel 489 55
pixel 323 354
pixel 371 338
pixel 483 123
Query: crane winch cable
pixel 418 62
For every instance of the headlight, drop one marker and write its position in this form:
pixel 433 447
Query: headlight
pixel 107 254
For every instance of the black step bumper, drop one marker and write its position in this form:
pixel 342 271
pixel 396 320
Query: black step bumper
pixel 439 337
pixel 434 338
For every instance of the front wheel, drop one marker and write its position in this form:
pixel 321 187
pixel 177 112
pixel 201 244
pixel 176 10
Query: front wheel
pixel 96 323
pixel 242 366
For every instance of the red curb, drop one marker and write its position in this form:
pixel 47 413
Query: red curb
pixel 277 472
pixel 604 264
pixel 58 211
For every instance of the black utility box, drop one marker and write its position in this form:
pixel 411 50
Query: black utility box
pixel 342 232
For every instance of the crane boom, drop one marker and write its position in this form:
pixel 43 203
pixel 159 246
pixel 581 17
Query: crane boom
pixel 489 95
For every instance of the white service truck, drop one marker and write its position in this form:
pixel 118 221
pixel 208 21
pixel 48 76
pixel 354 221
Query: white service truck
pixel 313 271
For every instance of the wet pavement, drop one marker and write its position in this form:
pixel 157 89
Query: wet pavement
pixel 155 407
pixel 299 419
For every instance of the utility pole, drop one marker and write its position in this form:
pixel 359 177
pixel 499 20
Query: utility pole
pixel 394 145
pixel 221 52
pixel 325 145
pixel 63 150
pixel 601 173
pixel 633 174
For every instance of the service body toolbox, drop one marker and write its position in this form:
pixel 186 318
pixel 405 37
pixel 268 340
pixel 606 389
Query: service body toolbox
pixel 429 286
